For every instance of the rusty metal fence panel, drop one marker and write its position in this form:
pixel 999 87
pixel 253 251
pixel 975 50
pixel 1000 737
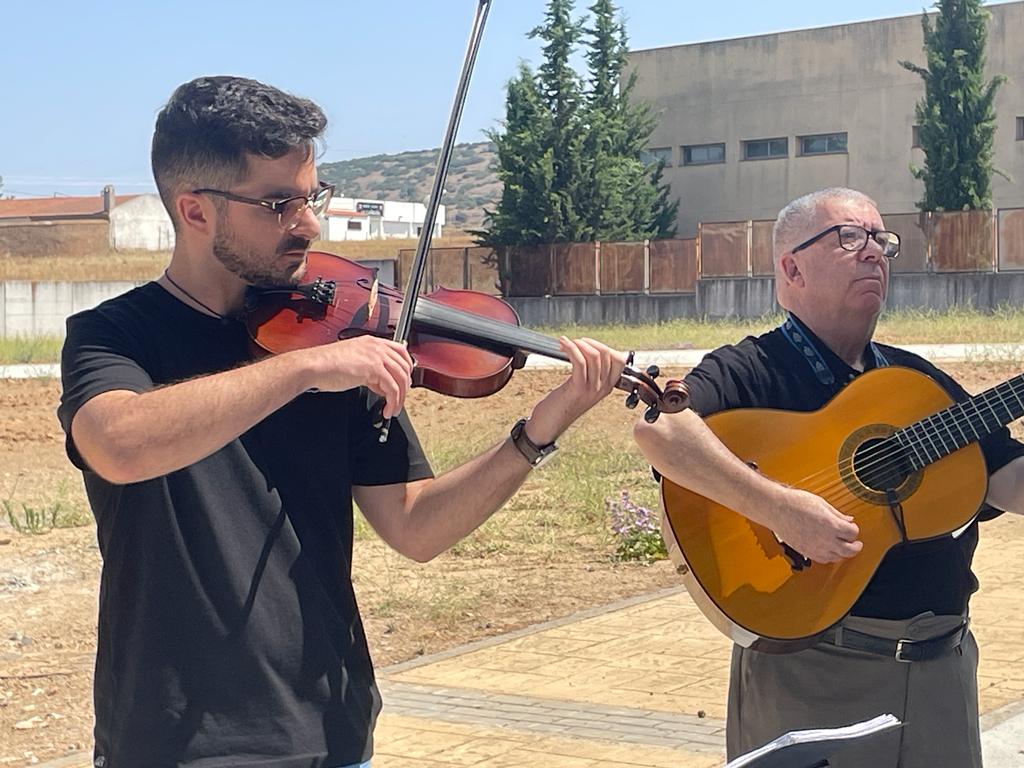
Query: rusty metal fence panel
pixel 723 249
pixel 1011 239
pixel 762 259
pixel 482 270
pixel 961 241
pixel 913 241
pixel 622 267
pixel 527 270
pixel 574 269
pixel 673 266
pixel 448 267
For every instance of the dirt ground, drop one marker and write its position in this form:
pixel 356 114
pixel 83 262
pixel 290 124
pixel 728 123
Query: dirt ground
pixel 48 581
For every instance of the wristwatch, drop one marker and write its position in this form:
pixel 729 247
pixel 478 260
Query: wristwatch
pixel 535 454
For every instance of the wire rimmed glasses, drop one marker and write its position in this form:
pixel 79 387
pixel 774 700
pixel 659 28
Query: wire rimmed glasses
pixel 288 209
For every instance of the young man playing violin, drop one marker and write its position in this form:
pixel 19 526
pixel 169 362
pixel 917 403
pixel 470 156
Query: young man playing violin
pixel 831 273
pixel 222 488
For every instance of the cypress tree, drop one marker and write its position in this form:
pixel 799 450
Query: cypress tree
pixel 570 161
pixel 528 211
pixel 560 91
pixel 956 115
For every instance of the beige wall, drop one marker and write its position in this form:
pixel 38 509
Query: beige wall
pixel 832 79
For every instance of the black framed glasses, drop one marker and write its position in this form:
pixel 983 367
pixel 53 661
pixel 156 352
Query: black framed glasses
pixel 853 237
pixel 288 209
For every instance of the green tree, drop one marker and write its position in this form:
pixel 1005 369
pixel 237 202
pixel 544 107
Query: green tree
pixel 956 115
pixel 623 198
pixel 569 157
pixel 560 91
pixel 528 211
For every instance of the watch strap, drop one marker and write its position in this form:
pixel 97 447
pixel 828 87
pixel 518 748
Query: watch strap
pixel 533 453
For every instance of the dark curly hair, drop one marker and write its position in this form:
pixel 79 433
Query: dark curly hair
pixel 210 124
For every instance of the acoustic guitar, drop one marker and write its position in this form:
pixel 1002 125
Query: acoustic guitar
pixel 891 449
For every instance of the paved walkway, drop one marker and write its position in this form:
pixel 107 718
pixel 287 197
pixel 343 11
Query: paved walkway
pixel 642 682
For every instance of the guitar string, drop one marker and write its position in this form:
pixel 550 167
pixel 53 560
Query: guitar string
pixel 875 457
pixel 889 449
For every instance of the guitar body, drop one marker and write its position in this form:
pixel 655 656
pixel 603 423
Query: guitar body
pixel 739 574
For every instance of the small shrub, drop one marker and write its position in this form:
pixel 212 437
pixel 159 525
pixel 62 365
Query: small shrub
pixel 636 529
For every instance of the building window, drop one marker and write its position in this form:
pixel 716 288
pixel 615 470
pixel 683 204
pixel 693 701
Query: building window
pixel 764 149
pixel 915 135
pixel 654 155
pixel 823 144
pixel 1020 129
pixel 703 154
pixel 356 226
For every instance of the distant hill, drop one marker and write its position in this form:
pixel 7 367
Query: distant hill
pixel 472 180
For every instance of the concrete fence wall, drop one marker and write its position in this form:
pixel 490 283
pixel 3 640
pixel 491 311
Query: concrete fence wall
pixel 751 297
pixel 40 308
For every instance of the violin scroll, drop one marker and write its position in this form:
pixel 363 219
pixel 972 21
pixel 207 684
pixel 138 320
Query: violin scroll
pixel 642 386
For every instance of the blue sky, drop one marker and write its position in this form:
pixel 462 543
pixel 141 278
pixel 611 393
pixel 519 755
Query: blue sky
pixel 83 81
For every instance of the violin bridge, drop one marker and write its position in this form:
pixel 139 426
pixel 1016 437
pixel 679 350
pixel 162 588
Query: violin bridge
pixel 372 303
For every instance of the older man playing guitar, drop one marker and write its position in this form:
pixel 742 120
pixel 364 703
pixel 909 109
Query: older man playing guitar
pixel 845 525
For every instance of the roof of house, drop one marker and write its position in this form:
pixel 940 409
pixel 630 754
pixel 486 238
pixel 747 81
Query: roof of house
pixel 349 214
pixel 64 207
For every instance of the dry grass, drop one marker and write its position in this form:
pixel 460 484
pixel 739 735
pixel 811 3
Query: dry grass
pixel 137 266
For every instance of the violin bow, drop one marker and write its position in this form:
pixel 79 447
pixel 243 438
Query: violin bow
pixel 412 288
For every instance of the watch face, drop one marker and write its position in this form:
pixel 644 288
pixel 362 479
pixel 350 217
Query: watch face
pixel 545 458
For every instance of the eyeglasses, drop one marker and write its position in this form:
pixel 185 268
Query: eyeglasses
pixel 288 209
pixel 855 238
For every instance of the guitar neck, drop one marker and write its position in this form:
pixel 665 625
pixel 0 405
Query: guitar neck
pixel 932 438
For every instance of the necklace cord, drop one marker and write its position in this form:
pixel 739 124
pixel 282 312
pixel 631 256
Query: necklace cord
pixel 192 298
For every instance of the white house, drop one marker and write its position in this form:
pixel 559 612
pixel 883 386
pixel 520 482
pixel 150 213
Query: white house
pixel 350 218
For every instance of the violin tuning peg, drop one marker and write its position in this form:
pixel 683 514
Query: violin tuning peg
pixel 651 415
pixel 632 399
pixel 653 371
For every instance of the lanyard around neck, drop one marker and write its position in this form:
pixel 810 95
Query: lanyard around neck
pixel 798 336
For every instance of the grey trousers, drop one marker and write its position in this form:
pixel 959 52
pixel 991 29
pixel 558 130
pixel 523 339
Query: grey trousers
pixel 827 686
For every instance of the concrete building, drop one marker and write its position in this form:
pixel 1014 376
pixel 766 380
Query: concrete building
pixel 748 124
pixel 45 226
pixel 349 218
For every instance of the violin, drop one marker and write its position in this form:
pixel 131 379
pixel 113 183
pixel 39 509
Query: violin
pixel 464 343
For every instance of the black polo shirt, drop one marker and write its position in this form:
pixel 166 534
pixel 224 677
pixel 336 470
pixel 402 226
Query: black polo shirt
pixel 770 372
pixel 228 628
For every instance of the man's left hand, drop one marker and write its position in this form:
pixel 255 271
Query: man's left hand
pixel 596 369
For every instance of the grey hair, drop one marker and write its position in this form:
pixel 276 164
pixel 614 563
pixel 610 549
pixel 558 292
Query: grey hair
pixel 797 219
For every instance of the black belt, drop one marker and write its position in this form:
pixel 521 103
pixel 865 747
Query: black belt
pixel 900 650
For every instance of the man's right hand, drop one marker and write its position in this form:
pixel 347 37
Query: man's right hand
pixel 381 365
pixel 813 527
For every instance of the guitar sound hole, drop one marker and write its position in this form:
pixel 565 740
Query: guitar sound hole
pixel 880 464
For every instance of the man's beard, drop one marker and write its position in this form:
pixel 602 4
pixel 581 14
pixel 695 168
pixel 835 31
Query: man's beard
pixel 258 268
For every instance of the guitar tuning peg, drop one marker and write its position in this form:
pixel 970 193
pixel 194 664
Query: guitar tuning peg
pixel 632 399
pixel 651 415
pixel 653 371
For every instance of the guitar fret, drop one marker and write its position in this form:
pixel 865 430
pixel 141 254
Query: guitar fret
pixel 956 421
pixel 1006 405
pixel 944 425
pixel 916 462
pixel 919 426
pixel 981 417
pixel 1013 390
pixel 995 416
pixel 1011 413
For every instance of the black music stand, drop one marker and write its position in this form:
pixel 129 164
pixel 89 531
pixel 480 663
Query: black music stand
pixel 812 748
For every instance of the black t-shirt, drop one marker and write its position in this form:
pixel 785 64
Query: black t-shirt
pixel 769 372
pixel 228 628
